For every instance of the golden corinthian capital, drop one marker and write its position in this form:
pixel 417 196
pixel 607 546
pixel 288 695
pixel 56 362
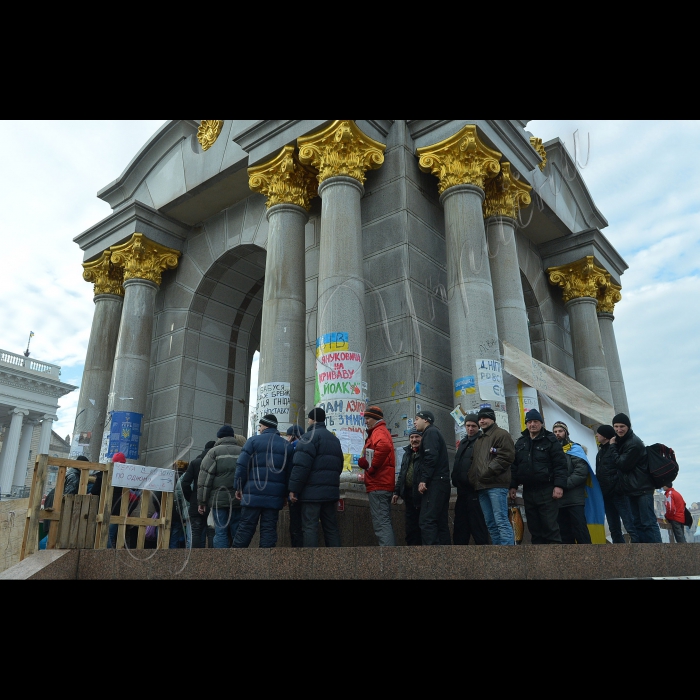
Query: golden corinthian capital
pixel 208 132
pixel 608 296
pixel 284 180
pixel 537 144
pixel 105 275
pixel 143 259
pixel 461 159
pixel 582 278
pixel 341 149
pixel 505 194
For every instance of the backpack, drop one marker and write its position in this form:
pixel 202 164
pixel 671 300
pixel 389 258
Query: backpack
pixel 662 465
pixel 688 518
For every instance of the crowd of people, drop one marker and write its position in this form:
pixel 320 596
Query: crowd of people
pixel 237 486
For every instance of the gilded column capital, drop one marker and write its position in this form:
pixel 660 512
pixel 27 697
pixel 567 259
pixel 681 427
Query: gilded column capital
pixel 143 259
pixel 582 278
pixel 505 194
pixel 539 147
pixel 608 295
pixel 284 180
pixel 462 159
pixel 208 132
pixel 107 277
pixel 341 149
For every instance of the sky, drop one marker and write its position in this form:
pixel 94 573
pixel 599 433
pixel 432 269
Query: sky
pixel 642 176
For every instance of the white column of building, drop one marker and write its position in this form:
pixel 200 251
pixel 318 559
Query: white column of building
pixel 289 187
pixel 45 435
pixel 10 448
pixel 25 444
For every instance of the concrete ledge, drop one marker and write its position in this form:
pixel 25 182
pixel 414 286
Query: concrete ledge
pixel 528 562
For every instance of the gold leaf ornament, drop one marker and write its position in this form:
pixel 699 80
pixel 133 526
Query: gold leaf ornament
pixel 608 295
pixel 208 132
pixel 284 180
pixel 461 159
pixel 341 149
pixel 105 275
pixel 582 278
pixel 539 147
pixel 144 259
pixel 506 194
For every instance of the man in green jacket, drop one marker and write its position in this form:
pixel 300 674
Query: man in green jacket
pixel 490 475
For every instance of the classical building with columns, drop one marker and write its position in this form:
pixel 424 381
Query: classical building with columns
pixel 29 394
pixel 368 260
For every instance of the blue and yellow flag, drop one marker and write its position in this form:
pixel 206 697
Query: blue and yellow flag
pixel 594 508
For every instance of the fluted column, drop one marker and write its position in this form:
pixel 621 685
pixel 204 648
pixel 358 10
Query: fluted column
pixel 608 296
pixel 341 154
pixel 143 262
pixel 580 282
pixel 463 166
pixel 289 188
pixel 45 435
pixel 505 196
pixel 109 296
pixel 25 444
pixel 10 448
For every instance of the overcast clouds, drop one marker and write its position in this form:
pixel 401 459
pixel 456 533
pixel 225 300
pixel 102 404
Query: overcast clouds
pixel 641 174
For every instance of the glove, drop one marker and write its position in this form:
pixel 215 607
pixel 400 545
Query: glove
pixel 362 463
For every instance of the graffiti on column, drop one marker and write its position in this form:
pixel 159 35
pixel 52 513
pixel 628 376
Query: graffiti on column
pixel 340 393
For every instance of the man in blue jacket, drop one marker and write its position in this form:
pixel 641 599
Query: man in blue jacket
pixel 261 483
pixel 315 480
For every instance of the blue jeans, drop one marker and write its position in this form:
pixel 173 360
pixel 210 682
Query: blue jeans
pixel 177 535
pixel 225 523
pixel 618 508
pixel 494 504
pixel 645 523
pixel 249 522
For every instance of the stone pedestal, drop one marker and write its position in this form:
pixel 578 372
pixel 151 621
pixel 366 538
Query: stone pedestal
pixel 612 361
pixel 10 448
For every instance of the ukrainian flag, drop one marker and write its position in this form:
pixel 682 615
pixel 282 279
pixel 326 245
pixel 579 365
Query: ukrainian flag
pixel 594 508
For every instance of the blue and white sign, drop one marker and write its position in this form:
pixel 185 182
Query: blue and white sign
pixel 125 434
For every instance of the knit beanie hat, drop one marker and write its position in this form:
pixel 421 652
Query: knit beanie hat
pixel 119 457
pixel 622 418
pixel 374 412
pixel 607 431
pixel 426 415
pixel 471 418
pixel 561 424
pixel 415 432
pixel 487 413
pixel 224 431
pixel 81 458
pixel 534 414
pixel 295 430
pixel 269 421
pixel 318 415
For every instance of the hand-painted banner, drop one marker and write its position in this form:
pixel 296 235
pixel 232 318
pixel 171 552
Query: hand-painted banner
pixel 490 376
pixel 274 398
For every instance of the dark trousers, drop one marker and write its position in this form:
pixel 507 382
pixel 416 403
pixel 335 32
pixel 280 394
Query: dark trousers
pixel 617 508
pixel 433 520
pixel 296 529
pixel 573 526
pixel 200 532
pixel 326 512
pixel 541 511
pixel 412 515
pixel 249 522
pixel 469 519
pixel 645 523
pixel 678 530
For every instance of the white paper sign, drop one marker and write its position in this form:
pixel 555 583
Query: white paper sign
pixel 135 476
pixel 351 441
pixel 489 375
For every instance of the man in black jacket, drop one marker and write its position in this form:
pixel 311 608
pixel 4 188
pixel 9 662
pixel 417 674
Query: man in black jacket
pixel 469 518
pixel 617 506
pixel 198 521
pixel 407 488
pixel 540 466
pixel 629 457
pixel 434 482
pixel 315 480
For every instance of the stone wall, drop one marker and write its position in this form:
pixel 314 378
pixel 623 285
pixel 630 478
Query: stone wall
pixel 13 515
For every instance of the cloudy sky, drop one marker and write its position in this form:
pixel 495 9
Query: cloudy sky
pixel 638 172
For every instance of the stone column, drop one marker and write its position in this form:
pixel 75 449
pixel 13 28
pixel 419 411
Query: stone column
pixel 97 375
pixel 25 443
pixel 45 435
pixel 144 262
pixel 10 448
pixel 463 165
pixel 581 282
pixel 342 154
pixel 608 296
pixel 505 195
pixel 289 188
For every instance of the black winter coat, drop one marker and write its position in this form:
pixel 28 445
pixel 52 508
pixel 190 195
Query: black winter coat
pixel 401 490
pixel 605 471
pixel 575 491
pixel 540 461
pixel 188 480
pixel 629 457
pixel 463 463
pixel 318 462
pixel 434 462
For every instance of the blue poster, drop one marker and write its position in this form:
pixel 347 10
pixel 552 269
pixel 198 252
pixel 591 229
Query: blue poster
pixel 125 434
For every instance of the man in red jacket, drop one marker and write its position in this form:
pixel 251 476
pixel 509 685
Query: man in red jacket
pixel 379 462
pixel 675 513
